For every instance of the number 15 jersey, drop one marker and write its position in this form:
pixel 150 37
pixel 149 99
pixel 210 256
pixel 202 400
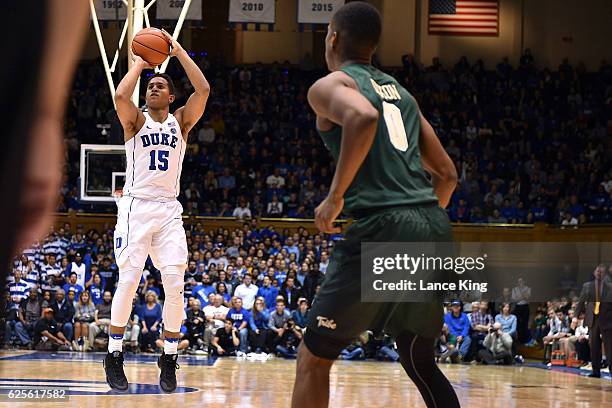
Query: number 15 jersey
pixel 155 160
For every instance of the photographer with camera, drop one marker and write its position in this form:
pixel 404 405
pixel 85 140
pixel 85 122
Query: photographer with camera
pixel 498 347
pixel 292 335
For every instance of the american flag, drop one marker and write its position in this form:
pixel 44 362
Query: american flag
pixel 464 17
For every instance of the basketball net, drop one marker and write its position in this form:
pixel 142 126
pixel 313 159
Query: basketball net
pixel 137 12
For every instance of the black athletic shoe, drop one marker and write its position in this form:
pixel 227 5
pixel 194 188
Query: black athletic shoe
pixel 113 366
pixel 167 376
pixel 594 375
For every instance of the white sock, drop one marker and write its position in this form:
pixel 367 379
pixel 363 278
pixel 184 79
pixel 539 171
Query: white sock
pixel 115 342
pixel 170 346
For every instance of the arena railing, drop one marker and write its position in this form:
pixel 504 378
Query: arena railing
pixel 462 232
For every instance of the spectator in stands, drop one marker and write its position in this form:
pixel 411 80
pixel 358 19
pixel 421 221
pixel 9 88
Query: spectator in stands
pixel 497 347
pixel 242 210
pixel 109 273
pixel 47 333
pixel 290 293
pixel 459 326
pixel 78 266
pixel 507 320
pixel 223 292
pixel 311 281
pixel 47 299
pixel 150 318
pixel 132 328
pixel 300 315
pixel 195 324
pixel 215 317
pixel 29 313
pixel 324 263
pixel 446 347
pixel 84 312
pixel 521 294
pixel 203 290
pixel 102 318
pixel 481 322
pixel 268 292
pixel 225 342
pixel 581 339
pixel 63 311
pixel 96 289
pixel 52 276
pixel 240 316
pixel 18 288
pixel 72 285
pixel 277 322
pixel 557 330
pixel 31 275
pixel 540 322
pixel 355 350
pixel 289 340
pixel 247 291
pixel 258 324
pixel 505 297
pixel 568 344
pixel 275 207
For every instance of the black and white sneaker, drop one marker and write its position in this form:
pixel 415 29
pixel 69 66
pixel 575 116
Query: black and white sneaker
pixel 167 377
pixel 113 366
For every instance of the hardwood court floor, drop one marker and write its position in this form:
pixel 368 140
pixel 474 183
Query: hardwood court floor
pixel 231 383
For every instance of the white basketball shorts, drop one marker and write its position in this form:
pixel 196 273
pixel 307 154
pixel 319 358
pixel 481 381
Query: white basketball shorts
pixel 146 227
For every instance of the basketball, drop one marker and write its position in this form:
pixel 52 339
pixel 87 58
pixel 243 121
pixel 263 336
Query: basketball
pixel 151 45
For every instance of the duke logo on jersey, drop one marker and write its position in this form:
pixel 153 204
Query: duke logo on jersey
pixel 159 138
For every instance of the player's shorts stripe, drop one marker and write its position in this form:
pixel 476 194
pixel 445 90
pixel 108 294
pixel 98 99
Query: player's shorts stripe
pixel 128 229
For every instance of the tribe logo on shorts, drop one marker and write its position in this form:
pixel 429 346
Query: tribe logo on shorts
pixel 325 322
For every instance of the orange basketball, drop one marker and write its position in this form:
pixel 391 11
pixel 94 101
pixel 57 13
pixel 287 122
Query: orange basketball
pixel 151 45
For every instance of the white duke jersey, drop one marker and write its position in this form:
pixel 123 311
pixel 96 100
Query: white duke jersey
pixel 155 160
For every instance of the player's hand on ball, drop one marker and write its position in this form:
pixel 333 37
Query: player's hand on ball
pixel 327 212
pixel 175 47
pixel 140 62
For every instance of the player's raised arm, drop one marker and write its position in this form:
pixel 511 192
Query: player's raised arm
pixel 335 99
pixel 189 114
pixel 437 163
pixel 130 116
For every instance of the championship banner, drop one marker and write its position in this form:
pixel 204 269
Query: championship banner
pixel 252 11
pixel 317 11
pixel 171 9
pixel 107 9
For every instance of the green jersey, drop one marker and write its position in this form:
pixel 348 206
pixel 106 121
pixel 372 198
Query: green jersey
pixel 392 173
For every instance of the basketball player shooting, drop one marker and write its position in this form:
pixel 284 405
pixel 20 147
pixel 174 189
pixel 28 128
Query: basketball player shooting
pixel 381 144
pixel 149 217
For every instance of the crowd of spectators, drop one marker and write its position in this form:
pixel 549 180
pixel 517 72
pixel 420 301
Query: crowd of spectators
pixel 248 290
pixel 530 145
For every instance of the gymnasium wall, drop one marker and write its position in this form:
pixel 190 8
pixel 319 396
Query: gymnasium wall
pixel 284 43
pixel 553 29
pixel 581 31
